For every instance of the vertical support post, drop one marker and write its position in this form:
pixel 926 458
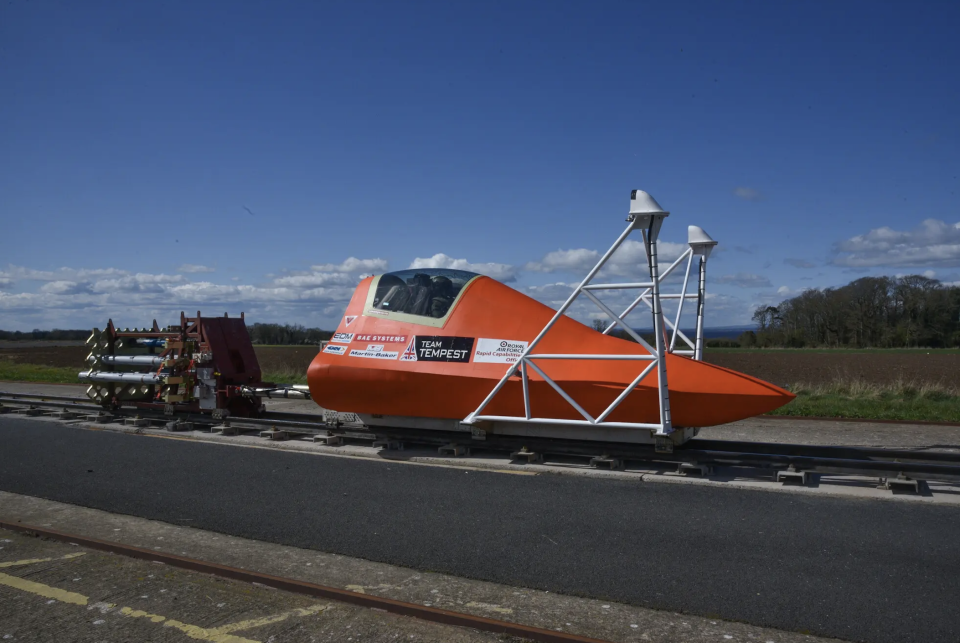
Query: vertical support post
pixel 702 245
pixel 526 387
pixel 650 241
pixel 683 298
pixel 701 297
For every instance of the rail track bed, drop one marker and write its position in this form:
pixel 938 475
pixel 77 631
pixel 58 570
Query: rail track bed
pixel 905 470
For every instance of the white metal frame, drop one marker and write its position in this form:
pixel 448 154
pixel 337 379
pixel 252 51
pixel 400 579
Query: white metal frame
pixel 647 216
pixel 700 247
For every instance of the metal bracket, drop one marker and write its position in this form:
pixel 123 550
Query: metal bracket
pixel 902 483
pixel 793 475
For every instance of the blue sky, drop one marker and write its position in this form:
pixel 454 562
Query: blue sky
pixel 229 156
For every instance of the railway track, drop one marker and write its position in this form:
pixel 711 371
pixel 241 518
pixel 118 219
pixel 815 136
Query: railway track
pixel 369 601
pixel 896 468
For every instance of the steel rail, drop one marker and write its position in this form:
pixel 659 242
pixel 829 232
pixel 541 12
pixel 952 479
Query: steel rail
pixel 58 398
pixel 820 418
pixel 815 458
pixel 812 418
pixel 770 452
pixel 882 468
pixel 33 404
pixel 413 610
pixel 294 419
pixel 830 451
pixel 160 416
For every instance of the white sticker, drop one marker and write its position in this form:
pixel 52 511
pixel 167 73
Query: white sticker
pixel 500 351
pixel 347 320
pixel 342 338
pixel 376 348
pixel 374 354
pixel 410 354
pixel 334 349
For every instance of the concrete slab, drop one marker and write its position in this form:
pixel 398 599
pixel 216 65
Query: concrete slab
pixel 53 592
pixel 867 434
pixel 599 619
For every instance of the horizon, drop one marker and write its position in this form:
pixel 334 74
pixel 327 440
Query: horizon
pixel 263 159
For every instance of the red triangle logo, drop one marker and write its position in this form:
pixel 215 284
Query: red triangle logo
pixel 348 320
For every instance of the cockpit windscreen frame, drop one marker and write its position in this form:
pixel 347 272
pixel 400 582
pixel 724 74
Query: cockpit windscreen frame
pixel 424 296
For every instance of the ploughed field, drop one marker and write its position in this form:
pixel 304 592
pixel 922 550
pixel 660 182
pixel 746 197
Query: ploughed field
pixel 781 367
pixel 792 367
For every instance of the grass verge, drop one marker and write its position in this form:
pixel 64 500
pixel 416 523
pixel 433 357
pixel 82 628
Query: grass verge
pixel 285 376
pixel 12 371
pixel 852 398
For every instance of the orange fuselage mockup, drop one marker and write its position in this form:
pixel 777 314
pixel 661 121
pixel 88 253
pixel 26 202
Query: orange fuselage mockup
pixel 383 363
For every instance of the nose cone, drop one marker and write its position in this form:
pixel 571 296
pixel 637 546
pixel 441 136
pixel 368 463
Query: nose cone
pixel 706 395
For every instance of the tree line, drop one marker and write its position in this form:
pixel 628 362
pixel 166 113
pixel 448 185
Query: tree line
pixel 872 312
pixel 286 334
pixel 36 334
pixel 259 334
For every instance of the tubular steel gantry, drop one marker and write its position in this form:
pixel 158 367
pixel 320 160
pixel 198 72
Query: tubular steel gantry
pixel 701 245
pixel 647 216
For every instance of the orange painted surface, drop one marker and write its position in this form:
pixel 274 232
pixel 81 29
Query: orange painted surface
pixel 701 394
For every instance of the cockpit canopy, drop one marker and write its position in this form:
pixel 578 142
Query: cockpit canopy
pixel 426 292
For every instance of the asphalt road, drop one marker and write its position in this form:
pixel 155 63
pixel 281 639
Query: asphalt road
pixel 862 570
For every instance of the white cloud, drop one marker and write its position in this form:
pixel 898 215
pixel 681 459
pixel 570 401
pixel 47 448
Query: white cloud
pixel 192 268
pixel 28 274
pixel 745 280
pixel 64 288
pixel 551 294
pixel 629 259
pixel 932 243
pixel 799 263
pixel 140 282
pixel 353 264
pixel 748 194
pixel 76 298
pixel 61 274
pixel 499 271
pixel 785 292
pixel 578 260
pixel 317 279
pixel 85 273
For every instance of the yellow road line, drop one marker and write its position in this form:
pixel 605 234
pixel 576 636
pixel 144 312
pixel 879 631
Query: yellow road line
pixel 269 620
pixel 220 634
pixel 31 561
pixel 192 631
pixel 43 590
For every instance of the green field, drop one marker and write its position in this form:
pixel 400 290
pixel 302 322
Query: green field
pixel 855 399
pixel 13 372
pixel 286 376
